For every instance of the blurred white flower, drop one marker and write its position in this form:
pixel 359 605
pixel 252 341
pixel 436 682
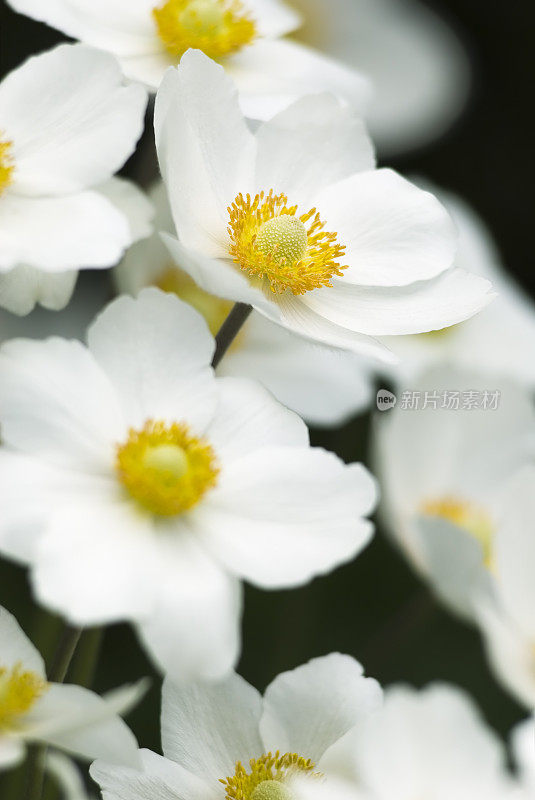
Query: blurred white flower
pixel 324 386
pixel 245 36
pixel 446 471
pixel 67 124
pixel 65 716
pixel 267 218
pixel 419 71
pixel 431 744
pixel 523 747
pixel 137 486
pixel 498 340
pixel 507 619
pixel 258 748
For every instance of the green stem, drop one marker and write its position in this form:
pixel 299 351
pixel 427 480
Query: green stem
pixel 229 330
pixel 35 772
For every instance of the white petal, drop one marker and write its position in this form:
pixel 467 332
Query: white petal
pixel 205 150
pixel 30 492
pixel 522 745
pixel 273 17
pixel 72 122
pixel 193 631
pixel 510 654
pixel 424 306
pixel 158 778
pixel 12 752
pixel 160 371
pixel 16 647
pixel 515 552
pixel 324 386
pixel 24 287
pixel 148 68
pixel 207 727
pixel 217 276
pixel 122 27
pixel 454 562
pixel 67 775
pixel 134 204
pixel 301 509
pixel 61 233
pixel 313 143
pixel 79 721
pixel 118 544
pixel 56 403
pixel 394 233
pixel 249 418
pixel 429 738
pixel 302 320
pixel 272 74
pixel 310 708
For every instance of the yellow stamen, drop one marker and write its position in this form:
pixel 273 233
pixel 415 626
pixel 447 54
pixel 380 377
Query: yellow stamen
pixel 466 515
pixel 269 241
pixel 6 164
pixel 217 27
pixel 19 691
pixel 166 469
pixel 265 772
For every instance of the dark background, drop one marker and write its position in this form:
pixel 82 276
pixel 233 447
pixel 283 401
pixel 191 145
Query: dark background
pixel 373 608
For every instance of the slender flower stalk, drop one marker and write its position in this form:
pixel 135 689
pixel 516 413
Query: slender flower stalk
pixel 229 330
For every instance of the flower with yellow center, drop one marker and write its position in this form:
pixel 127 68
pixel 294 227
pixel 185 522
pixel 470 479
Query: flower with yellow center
pixel 467 515
pixel 293 218
pixel 62 209
pixel 271 242
pixel 217 27
pixel 226 728
pixel 165 468
pixel 248 37
pixel 6 164
pixel 445 469
pixel 32 710
pixel 172 484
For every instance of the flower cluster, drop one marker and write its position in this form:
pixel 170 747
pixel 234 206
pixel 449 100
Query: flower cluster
pixel 157 460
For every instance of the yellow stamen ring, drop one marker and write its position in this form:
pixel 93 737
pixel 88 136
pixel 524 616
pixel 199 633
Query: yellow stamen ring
pixel 269 241
pixel 166 469
pixel 217 27
pixel 265 772
pixel 7 166
pixel 19 691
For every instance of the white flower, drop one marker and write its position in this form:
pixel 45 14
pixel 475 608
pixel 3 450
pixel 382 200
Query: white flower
pixel 430 744
pixel 245 36
pixel 446 472
pixel 508 618
pixel 266 218
pixel 65 716
pixel 226 733
pixel 418 68
pixel 138 486
pixel 500 339
pixel 67 124
pixel 523 747
pixel 324 386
